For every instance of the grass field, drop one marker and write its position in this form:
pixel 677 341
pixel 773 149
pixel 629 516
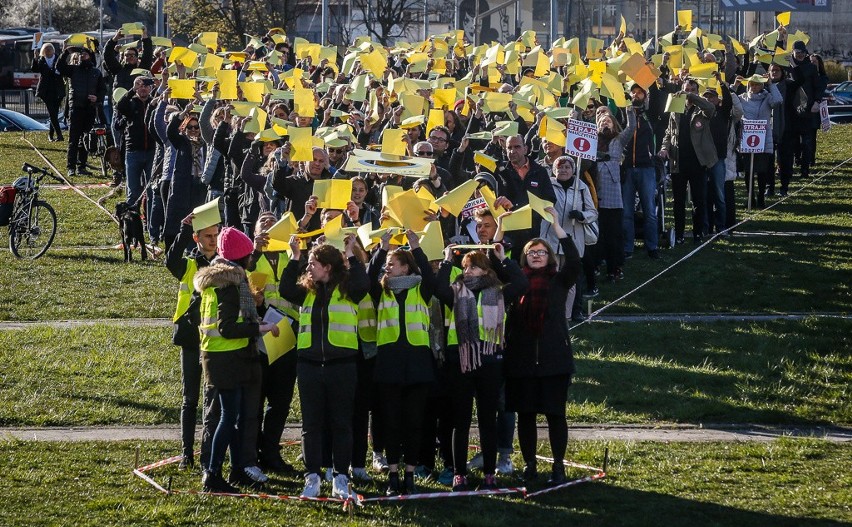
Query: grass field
pixel 784 483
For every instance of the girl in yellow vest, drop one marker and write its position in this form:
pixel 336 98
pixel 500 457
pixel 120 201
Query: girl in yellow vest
pixel 229 327
pixel 475 343
pixel 328 294
pixel 404 365
pixel 279 378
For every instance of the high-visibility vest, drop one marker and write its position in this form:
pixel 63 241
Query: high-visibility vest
pixel 211 339
pixel 270 289
pixel 367 320
pixel 449 315
pixel 452 336
pixel 185 289
pixel 416 318
pixel 342 321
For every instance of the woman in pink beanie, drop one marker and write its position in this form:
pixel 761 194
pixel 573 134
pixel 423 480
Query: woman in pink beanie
pixel 229 328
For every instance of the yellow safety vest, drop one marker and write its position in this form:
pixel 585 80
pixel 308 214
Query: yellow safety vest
pixel 367 320
pixel 416 318
pixel 270 290
pixel 449 315
pixel 185 289
pixel 342 323
pixel 211 339
pixel 452 336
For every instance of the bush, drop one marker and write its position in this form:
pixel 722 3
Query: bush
pixel 835 72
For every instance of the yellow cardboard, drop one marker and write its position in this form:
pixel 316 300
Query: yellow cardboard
pixel 182 88
pixel 303 145
pixel 519 219
pixel 206 215
pixel 333 193
pixel 455 200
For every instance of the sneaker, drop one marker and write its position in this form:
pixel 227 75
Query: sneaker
pixel 256 474
pixel 83 171
pixel 593 293
pixel 116 179
pixel 446 477
pixel 393 484
pixel 459 483
pixel 214 482
pixel 187 462
pixel 239 478
pixel 408 484
pixel 504 462
pixel 490 483
pixel 475 462
pixel 340 487
pixel 576 316
pixel 557 475
pixel 380 463
pixel 421 472
pixel 783 193
pixel 312 486
pixel 361 474
pixel 679 240
pixel 72 172
pixel 329 474
pixel 530 473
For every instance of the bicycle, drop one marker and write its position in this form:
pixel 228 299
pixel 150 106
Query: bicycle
pixel 32 226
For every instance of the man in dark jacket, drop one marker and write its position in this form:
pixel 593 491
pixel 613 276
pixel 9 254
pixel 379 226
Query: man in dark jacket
pixel 122 70
pixel 298 187
pixel 720 125
pixel 805 74
pixel 87 91
pixel 135 107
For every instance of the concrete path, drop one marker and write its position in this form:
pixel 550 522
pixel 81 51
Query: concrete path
pixel 604 432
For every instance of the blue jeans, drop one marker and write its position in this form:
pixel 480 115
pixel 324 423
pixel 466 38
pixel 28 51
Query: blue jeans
pixel 715 196
pixel 505 424
pixel 138 165
pixel 226 434
pixel 643 180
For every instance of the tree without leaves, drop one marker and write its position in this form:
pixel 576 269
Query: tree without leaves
pixel 67 16
pixel 388 20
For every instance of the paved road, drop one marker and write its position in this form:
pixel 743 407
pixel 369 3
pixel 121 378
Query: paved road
pixel 675 433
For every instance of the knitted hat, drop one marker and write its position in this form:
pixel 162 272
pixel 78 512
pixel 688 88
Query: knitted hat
pixel 233 244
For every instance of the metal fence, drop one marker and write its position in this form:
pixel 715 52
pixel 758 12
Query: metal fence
pixel 23 101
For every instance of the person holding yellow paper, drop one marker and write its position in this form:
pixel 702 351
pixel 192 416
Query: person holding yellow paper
pixel 187 190
pixel 183 267
pixel 329 294
pixel 404 368
pixel 278 378
pixel 229 328
pixel 298 186
pixel 136 109
pixel 121 69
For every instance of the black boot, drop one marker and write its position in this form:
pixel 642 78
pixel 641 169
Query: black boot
pixel 408 483
pixel 393 484
pixel 214 482
pixel 557 474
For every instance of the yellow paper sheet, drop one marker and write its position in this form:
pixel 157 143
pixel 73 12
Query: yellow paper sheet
pixel 304 102
pixel 496 102
pixel 210 40
pixel 333 193
pixel 206 215
pixel 183 56
pixel 506 128
pixel 279 234
pixel 436 118
pixel 257 121
pixel 455 200
pixel 393 141
pixel 257 281
pixel 614 90
pixel 444 98
pixel 594 47
pixel 182 88
pixel 518 220
pixel 407 207
pixel 704 70
pixel 737 47
pixel 684 19
pixel 303 144
pixel 227 84
pixel 253 91
pixel 485 161
pixel 538 205
pixel 432 241
pixel 675 103
pixel 489 197
pixel 374 62
pixel 277 347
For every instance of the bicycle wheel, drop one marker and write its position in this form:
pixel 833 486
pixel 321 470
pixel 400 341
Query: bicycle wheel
pixel 32 232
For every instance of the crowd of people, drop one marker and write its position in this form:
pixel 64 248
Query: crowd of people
pixel 394 345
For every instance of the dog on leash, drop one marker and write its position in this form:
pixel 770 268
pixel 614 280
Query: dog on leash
pixel 131 229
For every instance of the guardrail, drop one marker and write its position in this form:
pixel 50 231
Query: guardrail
pixel 23 101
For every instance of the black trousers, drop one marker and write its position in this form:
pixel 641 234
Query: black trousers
pixel 327 392
pixel 81 122
pixel 279 382
pixel 611 239
pixel 403 407
pixel 365 405
pixel 694 176
pixel 784 154
pixel 53 106
pixel 557 426
pixel 730 205
pixel 484 385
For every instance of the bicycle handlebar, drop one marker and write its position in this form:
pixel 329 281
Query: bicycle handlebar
pixel 29 168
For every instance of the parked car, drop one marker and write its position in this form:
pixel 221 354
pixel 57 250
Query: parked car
pixel 17 122
pixel 841 94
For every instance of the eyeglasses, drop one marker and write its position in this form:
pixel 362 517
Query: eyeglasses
pixel 134 55
pixel 436 138
pixel 539 252
pixel 424 154
pixel 336 150
pixel 191 127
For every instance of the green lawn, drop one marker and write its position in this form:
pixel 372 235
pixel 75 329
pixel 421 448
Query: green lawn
pixel 783 483
pixel 769 373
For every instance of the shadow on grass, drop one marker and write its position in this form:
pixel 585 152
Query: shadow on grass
pixel 164 414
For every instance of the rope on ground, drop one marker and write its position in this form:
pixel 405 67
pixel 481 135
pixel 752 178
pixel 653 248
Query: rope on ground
pixel 693 252
pixel 63 178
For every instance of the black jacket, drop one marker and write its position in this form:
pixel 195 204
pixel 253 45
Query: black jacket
pixel 51 86
pixel 85 80
pixel 640 148
pixel 122 78
pixel 187 191
pixel 137 137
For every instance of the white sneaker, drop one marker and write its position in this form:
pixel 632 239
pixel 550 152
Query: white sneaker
pixel 340 487
pixel 312 486
pixel 380 464
pixel 360 474
pixel 256 474
pixel 329 474
pixel 504 465
pixel 475 462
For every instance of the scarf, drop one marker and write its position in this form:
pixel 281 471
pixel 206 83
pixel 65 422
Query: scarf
pixel 248 309
pixel 398 284
pixel 197 158
pixel 471 348
pixel 533 304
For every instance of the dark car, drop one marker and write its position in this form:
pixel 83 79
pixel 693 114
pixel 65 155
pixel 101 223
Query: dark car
pixel 841 94
pixel 17 122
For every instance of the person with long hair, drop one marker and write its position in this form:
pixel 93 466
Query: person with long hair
pixel 404 366
pixel 187 191
pixel 229 326
pixel 327 345
pixel 475 347
pixel 51 87
pixel 539 361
